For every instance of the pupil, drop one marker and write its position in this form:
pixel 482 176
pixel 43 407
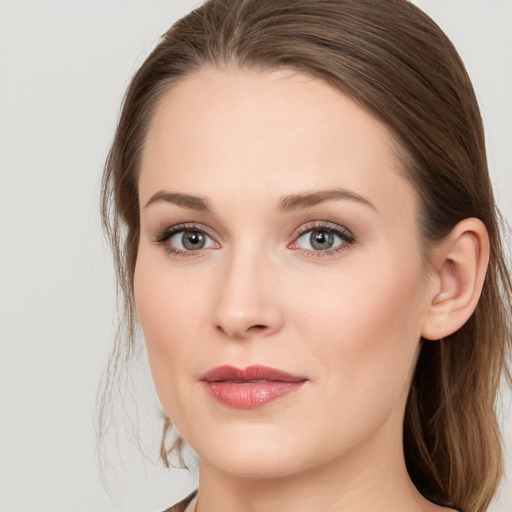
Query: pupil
pixel 193 240
pixel 321 240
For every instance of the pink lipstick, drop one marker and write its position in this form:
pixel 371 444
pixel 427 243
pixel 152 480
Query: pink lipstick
pixel 250 388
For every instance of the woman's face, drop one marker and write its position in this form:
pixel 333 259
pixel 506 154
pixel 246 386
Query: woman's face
pixel 279 280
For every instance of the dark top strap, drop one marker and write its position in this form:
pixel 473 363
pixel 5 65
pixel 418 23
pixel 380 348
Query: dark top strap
pixel 182 505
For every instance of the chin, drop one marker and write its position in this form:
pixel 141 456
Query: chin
pixel 253 465
pixel 248 455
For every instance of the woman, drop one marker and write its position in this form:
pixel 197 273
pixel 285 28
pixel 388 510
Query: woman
pixel 313 253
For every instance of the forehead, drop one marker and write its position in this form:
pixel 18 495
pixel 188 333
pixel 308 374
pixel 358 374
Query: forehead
pixel 265 131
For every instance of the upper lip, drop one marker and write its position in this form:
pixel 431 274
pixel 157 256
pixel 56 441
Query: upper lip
pixel 252 373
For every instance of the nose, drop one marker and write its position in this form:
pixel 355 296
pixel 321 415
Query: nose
pixel 248 301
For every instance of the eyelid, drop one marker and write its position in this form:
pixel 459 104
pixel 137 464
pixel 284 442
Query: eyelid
pixel 166 233
pixel 327 226
pixel 347 237
pixel 342 232
pixel 163 236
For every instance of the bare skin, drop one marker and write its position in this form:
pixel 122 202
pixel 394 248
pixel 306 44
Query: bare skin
pixel 331 286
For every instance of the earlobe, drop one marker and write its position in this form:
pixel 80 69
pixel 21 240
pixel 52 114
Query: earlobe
pixel 460 263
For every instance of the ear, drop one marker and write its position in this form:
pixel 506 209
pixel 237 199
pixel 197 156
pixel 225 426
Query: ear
pixel 459 264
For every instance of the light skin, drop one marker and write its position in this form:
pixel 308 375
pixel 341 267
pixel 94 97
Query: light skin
pixel 255 163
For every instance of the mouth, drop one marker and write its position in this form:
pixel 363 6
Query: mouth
pixel 252 387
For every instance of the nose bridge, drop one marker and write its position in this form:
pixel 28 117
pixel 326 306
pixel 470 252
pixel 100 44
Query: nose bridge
pixel 247 299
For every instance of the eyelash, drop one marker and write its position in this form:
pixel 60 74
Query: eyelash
pixel 165 235
pixel 343 233
pixel 347 237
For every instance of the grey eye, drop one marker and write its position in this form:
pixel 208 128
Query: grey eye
pixel 319 239
pixel 191 240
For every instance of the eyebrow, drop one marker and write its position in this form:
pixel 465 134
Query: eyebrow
pixel 307 200
pixel 183 200
pixel 287 203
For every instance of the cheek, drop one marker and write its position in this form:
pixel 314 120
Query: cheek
pixel 168 311
pixel 167 300
pixel 366 324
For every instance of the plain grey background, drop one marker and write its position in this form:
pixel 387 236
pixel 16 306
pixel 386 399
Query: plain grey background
pixel 64 65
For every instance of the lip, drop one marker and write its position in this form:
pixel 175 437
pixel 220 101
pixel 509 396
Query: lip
pixel 252 387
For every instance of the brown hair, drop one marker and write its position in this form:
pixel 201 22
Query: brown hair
pixel 391 58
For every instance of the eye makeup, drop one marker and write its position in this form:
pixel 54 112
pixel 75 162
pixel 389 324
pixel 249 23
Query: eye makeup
pixel 313 239
pixel 322 239
pixel 198 236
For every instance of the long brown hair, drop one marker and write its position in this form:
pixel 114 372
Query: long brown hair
pixel 391 58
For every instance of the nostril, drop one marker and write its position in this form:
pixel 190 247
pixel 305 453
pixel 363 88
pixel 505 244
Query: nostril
pixel 257 327
pixel 241 331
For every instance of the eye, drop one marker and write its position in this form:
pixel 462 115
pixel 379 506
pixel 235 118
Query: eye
pixel 318 240
pixel 190 240
pixel 323 239
pixel 184 240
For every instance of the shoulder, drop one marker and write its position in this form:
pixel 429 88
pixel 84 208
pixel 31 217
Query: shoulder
pixel 182 505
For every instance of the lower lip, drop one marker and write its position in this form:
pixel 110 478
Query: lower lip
pixel 250 395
